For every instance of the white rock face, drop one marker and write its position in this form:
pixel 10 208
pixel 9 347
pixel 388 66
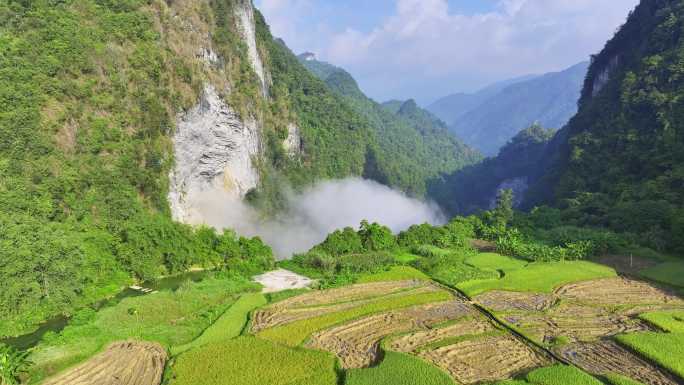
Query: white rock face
pixel 245 20
pixel 603 77
pixel 214 151
pixel 293 143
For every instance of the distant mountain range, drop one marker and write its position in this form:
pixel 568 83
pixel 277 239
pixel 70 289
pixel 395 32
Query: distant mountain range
pixel 489 118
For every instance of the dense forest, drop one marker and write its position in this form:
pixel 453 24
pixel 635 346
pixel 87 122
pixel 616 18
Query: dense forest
pixel 620 162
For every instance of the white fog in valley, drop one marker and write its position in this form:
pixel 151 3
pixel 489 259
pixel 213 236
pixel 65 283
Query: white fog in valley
pixel 316 212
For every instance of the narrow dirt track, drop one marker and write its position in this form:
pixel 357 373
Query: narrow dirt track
pixel 122 363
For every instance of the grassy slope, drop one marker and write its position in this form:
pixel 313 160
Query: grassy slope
pixel 253 361
pixel 399 369
pixel 539 277
pixel 669 272
pixel 615 379
pixel 396 273
pixel 171 318
pixel 667 349
pixel 555 375
pixel 494 261
pixel 561 375
pixel 229 325
pixel 670 321
pixel 296 333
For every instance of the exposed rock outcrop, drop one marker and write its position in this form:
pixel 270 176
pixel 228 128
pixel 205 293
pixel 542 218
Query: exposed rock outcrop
pixel 293 143
pixel 244 12
pixel 213 149
pixel 604 76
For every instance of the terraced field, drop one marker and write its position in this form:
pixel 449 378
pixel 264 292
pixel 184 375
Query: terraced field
pixel 129 362
pixel 606 357
pixel 357 343
pixel 451 334
pixel 583 311
pixel 489 358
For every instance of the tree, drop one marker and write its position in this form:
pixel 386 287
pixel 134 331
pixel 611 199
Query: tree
pixel 376 237
pixel 503 213
pixel 12 363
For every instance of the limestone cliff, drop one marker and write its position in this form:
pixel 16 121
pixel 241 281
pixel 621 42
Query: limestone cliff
pixel 213 149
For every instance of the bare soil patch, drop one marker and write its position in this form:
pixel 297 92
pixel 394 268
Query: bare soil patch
pixel 123 363
pixel 501 301
pixel 279 280
pixel 483 246
pixel 357 343
pixel 318 303
pixel 617 291
pixel 604 357
pixel 485 359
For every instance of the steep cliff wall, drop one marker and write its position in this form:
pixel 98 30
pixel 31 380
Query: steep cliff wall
pixel 244 12
pixel 213 149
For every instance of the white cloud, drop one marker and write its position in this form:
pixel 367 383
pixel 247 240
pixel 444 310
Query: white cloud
pixel 424 49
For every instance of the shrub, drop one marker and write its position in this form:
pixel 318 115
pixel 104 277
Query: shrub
pixel 376 237
pixel 342 242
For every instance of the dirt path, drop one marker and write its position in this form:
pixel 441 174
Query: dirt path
pixel 123 363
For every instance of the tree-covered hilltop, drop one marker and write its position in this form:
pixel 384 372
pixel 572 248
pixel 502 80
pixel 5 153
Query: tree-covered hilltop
pixel 621 160
pixel 413 147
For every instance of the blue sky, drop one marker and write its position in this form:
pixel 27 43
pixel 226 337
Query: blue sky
pixel 425 49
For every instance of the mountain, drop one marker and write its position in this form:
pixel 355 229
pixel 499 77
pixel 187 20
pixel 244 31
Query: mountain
pixel 488 119
pixel 520 163
pixel 619 162
pixel 450 108
pixel 120 119
pixel 414 147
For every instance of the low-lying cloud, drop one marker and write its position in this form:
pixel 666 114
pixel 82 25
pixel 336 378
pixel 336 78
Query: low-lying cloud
pixel 316 212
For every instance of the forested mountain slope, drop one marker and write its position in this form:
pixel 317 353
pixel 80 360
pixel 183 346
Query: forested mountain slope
pixel 414 147
pixel 451 107
pixel 520 163
pixel 621 158
pixel 113 113
pixel 549 99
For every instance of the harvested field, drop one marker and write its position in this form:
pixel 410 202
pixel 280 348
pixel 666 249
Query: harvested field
pixel 318 303
pixel 357 343
pixel 606 357
pixel 485 359
pixel 411 343
pixel 617 291
pixel 501 301
pixel 576 322
pixel 123 363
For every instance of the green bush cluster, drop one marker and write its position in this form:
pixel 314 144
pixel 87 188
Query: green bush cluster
pixel 514 244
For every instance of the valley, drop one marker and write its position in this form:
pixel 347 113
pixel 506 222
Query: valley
pixel 186 201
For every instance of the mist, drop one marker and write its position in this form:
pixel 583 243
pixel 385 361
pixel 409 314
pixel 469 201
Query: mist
pixel 316 212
